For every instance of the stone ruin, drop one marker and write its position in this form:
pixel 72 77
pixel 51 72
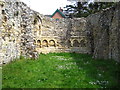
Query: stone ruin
pixel 16 30
pixel 24 32
pixel 104 36
pixel 65 35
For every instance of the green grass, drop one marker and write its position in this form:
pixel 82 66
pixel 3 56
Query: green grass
pixel 61 70
pixel 0 77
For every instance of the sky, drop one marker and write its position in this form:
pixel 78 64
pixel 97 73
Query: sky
pixel 46 7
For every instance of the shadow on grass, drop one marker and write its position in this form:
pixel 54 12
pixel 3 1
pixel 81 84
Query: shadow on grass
pixel 104 73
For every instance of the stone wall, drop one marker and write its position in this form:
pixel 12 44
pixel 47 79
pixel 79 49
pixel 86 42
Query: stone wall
pixel 98 34
pixel 24 32
pixel 16 30
pixel 63 35
pixel 104 33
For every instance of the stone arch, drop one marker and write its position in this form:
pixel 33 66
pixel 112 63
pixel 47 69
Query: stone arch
pixel 45 43
pixel 17 3
pixel 75 43
pixel 69 43
pixel 39 43
pixel 52 43
pixel 82 43
pixel 37 24
pixel 2 5
pixel 3 12
pixel 40 20
pixel 37 20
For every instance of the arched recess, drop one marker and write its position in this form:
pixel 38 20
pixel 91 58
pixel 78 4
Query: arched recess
pixel 52 43
pixel 83 43
pixel 37 19
pixel 2 4
pixel 39 43
pixel 44 43
pixel 37 23
pixel 34 42
pixel 75 43
pixel 69 43
pixel 3 12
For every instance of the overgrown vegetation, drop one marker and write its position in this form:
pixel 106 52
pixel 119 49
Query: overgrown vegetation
pixel 61 70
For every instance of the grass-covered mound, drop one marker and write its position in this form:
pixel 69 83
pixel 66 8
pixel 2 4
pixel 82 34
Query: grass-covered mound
pixel 61 70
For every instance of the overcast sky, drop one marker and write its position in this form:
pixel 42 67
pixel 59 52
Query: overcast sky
pixel 46 7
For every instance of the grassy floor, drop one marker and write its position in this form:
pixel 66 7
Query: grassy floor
pixel 61 70
pixel 0 77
